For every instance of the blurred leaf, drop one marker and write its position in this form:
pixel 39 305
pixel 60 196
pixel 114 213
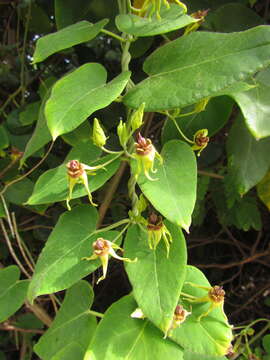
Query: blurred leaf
pixel 248 159
pixel 41 135
pixel 4 139
pixel 39 21
pixel 181 75
pixel 63 39
pixel 30 114
pixel 120 337
pixel 80 134
pixel 68 12
pixel 176 184
pixel 156 293
pixel 19 192
pixel 12 291
pixel 73 323
pixel 199 210
pixel 80 93
pixel 234 17
pixel 263 189
pixel 266 343
pixel 171 19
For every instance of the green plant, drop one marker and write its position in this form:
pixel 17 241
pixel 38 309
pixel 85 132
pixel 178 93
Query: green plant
pixel 191 80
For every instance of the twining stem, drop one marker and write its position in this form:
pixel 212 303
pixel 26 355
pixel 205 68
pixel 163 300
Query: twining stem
pixel 132 194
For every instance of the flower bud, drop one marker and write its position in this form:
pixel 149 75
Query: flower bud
pixel 137 118
pixel 99 138
pixel 122 133
pixel 200 140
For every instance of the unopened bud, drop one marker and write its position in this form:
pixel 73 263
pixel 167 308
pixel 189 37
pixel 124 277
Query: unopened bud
pixel 137 118
pixel 122 133
pixel 99 137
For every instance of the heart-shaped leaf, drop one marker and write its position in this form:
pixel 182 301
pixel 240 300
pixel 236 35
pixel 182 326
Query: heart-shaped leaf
pixel 156 279
pixel 199 65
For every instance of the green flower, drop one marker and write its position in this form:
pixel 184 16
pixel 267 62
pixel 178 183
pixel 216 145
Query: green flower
pixel 200 140
pixel 145 154
pixel 103 249
pixel 156 231
pixel 76 172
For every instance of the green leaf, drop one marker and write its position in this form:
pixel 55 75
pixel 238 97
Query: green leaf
pixel 30 114
pixel 77 95
pixel 176 184
pixel 70 352
pixel 255 107
pixel 214 117
pixel 68 12
pixel 72 324
pixel 12 291
pixel 171 19
pixel 212 335
pixel 41 135
pixel 63 39
pixel 4 139
pixel 60 263
pixel 52 186
pixel 263 189
pixel 120 337
pixel 156 279
pixel 248 159
pixel 266 343
pixel 181 74
pixel 234 17
pixel 193 356
pixel 19 192
pixel 80 134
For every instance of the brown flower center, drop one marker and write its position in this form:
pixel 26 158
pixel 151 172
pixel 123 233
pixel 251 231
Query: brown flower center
pixel 201 140
pixel 154 222
pixel 143 146
pixel 74 168
pixel 101 247
pixel 216 294
pixel 179 313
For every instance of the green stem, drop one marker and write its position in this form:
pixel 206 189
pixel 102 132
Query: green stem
pixel 121 232
pixel 110 151
pixel 107 32
pixel 95 313
pixel 113 226
pixel 179 130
